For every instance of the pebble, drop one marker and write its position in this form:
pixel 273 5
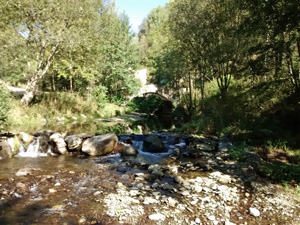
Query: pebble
pixel 97 193
pixel 227 222
pixel 211 218
pixel 82 220
pixel 225 179
pixel 178 179
pixel 171 202
pixel 157 216
pixel 197 220
pixel 149 200
pixel 197 189
pixel 254 212
pixel 57 184
pixel 185 193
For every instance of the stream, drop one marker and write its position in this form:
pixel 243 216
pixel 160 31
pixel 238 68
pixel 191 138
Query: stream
pixel 191 182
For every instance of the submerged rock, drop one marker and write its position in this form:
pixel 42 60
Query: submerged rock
pixel 128 150
pixel 153 144
pixel 100 145
pixel 125 149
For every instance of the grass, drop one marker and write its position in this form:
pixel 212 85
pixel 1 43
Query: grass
pixel 55 107
pixel 238 151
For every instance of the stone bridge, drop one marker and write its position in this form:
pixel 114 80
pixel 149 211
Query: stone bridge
pixel 148 89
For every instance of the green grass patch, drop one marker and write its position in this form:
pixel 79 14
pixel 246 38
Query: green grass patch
pixel 282 172
pixel 238 151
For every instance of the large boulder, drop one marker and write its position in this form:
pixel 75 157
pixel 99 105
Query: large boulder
pixel 74 142
pixel 100 145
pixel 153 144
pixel 25 138
pixel 5 149
pixel 60 144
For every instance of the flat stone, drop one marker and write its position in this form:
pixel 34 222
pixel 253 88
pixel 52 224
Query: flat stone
pixel 227 222
pixel 178 179
pixel 225 179
pixel 197 188
pixel 198 180
pixel 211 218
pixel 157 216
pixel 197 220
pixel 254 212
pixel 172 202
pixel 157 173
pixel 97 193
pixel 185 193
pixel 149 200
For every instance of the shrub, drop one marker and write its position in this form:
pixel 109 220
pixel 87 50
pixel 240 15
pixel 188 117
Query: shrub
pixel 4 104
pixel 99 95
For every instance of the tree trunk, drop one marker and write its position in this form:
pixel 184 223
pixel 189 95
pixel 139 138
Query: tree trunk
pixel 33 83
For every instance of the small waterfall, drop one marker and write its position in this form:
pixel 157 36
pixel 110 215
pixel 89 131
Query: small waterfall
pixel 34 149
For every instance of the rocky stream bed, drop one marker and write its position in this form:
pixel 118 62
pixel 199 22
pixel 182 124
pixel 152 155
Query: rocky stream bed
pixel 191 180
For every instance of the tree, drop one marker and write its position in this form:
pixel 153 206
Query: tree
pixel 120 58
pixel 44 28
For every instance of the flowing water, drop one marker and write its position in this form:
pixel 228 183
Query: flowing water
pixel 44 188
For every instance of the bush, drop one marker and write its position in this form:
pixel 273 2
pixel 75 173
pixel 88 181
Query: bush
pixel 148 104
pixel 99 95
pixel 4 104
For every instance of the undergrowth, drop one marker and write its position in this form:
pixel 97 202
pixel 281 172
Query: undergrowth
pixel 55 107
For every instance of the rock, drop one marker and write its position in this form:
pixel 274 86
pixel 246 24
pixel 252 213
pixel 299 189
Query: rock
pixel 157 216
pixel 149 200
pixel 197 188
pixel 254 212
pixel 227 222
pixel 61 146
pixel 225 179
pixel 167 187
pixel 97 193
pixel 82 220
pixel 74 142
pixel 5 150
pixel 172 202
pixel 25 138
pixel 154 167
pixel 21 187
pixel 100 145
pixel 153 144
pixel 211 218
pixel 128 150
pixel 47 133
pixel 157 174
pixel 178 179
pixel 24 172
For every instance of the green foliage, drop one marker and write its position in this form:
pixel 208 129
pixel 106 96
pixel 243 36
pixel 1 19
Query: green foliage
pixel 145 104
pixel 120 57
pixel 115 128
pixel 99 95
pixel 237 151
pixel 4 104
pixel 282 172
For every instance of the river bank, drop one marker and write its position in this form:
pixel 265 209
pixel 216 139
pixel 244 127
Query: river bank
pixel 193 181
